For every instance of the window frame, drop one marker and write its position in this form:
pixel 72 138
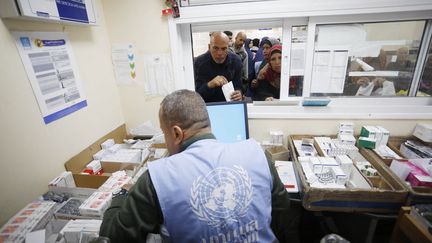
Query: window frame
pixel 359 108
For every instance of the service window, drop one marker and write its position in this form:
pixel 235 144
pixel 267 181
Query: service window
pixel 367 59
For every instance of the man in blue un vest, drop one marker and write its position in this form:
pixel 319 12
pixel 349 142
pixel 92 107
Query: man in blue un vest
pixel 205 191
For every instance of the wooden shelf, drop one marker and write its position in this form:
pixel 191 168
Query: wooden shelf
pixel 408 229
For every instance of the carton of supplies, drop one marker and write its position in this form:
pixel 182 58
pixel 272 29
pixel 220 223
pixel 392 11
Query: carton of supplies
pixel 34 216
pixel 423 132
pixel 78 163
pixel 70 210
pixel 336 183
pixel 96 204
pixel 81 230
pixel 65 179
pixel 117 180
pixel 108 143
pixel 417 184
pixel 367 142
pixel 274 153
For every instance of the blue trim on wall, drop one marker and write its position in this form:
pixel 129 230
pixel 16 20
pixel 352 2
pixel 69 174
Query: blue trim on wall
pixel 64 112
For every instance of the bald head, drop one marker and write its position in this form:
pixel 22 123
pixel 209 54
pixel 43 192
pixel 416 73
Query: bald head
pixel 218 37
pixel 218 46
pixel 182 114
pixel 185 109
pixel 402 54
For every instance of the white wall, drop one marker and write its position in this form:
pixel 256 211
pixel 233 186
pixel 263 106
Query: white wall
pixel 32 153
pixel 141 23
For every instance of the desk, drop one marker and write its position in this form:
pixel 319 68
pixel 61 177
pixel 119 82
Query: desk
pixel 407 229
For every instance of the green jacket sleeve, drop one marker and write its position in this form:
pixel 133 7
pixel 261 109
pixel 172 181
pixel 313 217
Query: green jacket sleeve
pixel 130 218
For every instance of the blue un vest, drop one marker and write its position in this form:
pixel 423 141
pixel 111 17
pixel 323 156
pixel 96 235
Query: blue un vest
pixel 215 192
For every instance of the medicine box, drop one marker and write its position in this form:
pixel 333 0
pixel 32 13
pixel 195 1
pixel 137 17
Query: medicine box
pixel 423 132
pixel 381 198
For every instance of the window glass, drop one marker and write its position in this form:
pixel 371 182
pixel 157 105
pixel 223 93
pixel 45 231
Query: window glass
pixel 298 56
pixel 256 48
pixel 365 59
pixel 425 87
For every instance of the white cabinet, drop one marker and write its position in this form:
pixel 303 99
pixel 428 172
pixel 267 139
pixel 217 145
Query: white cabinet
pixel 67 11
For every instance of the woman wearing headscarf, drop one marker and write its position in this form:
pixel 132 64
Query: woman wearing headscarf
pixel 266 45
pixel 268 80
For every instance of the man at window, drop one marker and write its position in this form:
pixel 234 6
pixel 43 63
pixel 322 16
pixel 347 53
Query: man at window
pixel 216 68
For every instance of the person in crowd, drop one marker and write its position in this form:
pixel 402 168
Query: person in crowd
pixel 230 36
pixel 266 45
pixel 260 55
pixel 255 46
pixel 251 63
pixel 268 80
pixel 405 68
pixel 239 49
pixel 216 68
pixel 205 191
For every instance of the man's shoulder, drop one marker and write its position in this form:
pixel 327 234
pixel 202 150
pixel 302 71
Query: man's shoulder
pixel 234 58
pixel 205 57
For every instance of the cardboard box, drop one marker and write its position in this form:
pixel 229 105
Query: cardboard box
pixel 416 195
pixel 77 163
pixel 277 153
pixel 388 197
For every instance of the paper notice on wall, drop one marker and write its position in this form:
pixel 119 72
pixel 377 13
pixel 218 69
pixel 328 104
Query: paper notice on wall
pixel 123 58
pixel 52 71
pixel 158 74
pixel 329 70
pixel 298 56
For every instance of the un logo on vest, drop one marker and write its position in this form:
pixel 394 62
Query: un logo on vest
pixel 222 196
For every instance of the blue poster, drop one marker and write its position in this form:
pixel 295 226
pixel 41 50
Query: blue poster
pixel 74 10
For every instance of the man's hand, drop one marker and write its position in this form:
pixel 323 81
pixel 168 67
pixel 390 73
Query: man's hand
pixel 378 82
pixel 217 81
pixel 269 99
pixel 236 95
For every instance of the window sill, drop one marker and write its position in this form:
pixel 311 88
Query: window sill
pixel 387 109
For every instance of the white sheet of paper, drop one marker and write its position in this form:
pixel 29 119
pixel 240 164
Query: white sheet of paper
pixel 123 59
pixel 36 237
pixel 340 58
pixel 286 173
pixel 322 58
pixel 53 73
pixel 401 169
pixel 158 74
pixel 227 90
pixel 298 53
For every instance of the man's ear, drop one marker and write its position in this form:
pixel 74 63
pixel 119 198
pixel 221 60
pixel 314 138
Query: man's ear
pixel 178 135
pixel 209 46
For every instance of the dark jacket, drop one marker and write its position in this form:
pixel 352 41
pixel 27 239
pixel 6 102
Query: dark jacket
pixel 206 69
